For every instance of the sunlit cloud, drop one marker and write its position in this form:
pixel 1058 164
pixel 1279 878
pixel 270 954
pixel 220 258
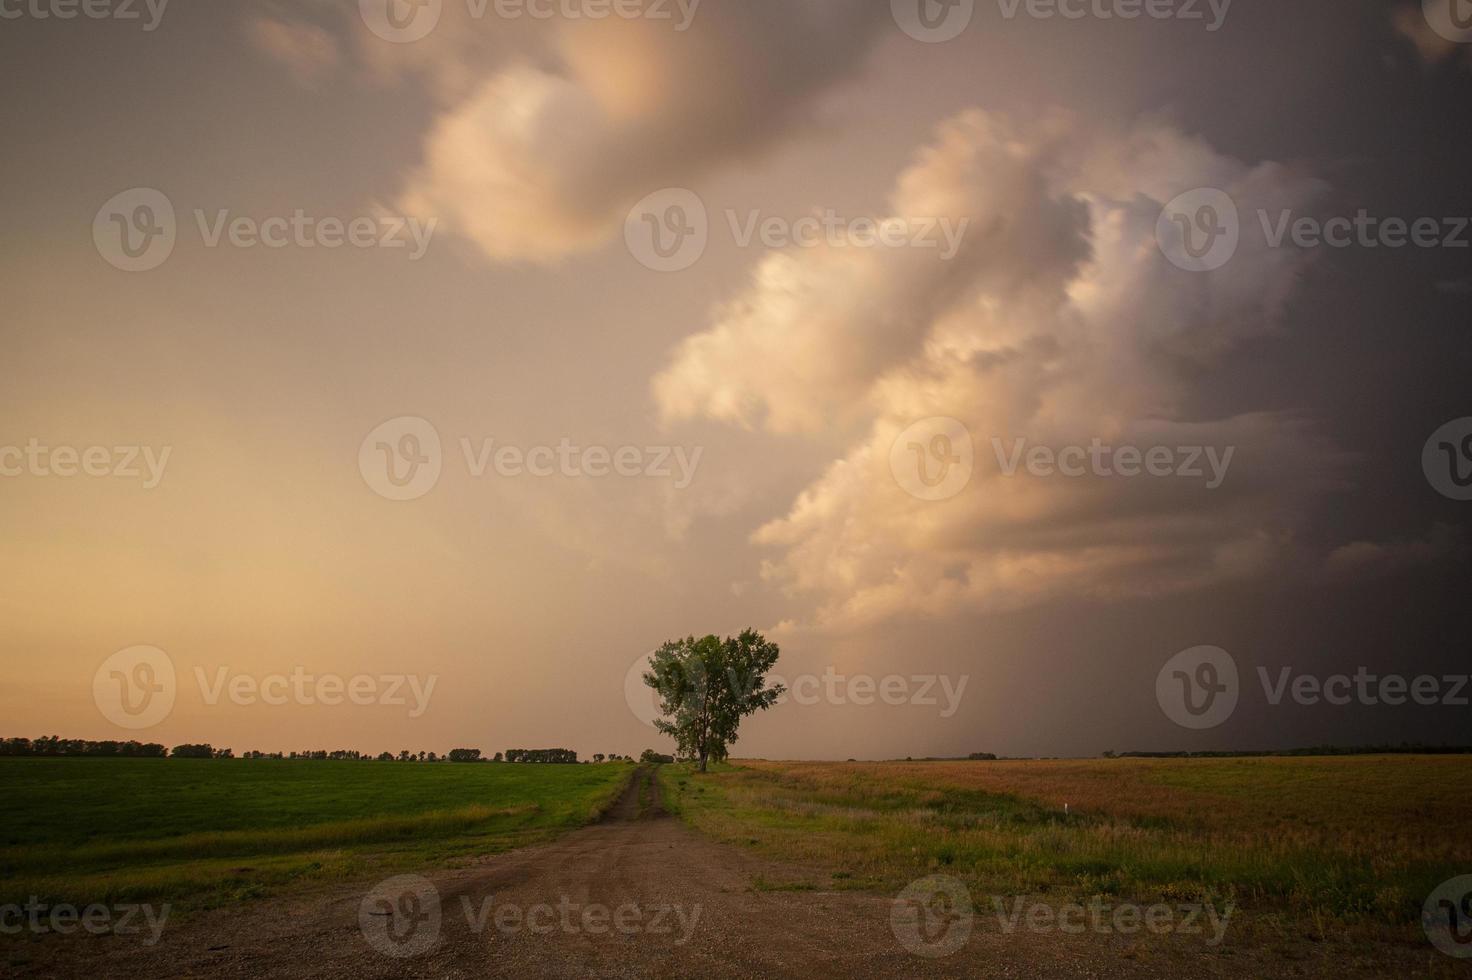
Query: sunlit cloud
pixel 1059 323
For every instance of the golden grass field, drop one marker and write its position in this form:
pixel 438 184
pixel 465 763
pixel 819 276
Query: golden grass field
pixel 1316 849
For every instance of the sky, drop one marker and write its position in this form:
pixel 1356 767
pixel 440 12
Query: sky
pixel 1045 380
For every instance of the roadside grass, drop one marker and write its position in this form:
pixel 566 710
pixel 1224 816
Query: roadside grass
pixel 210 832
pixel 1317 848
pixel 646 792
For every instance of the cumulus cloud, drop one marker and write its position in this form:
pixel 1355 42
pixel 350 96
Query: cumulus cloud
pixel 549 128
pixel 1060 323
pixel 1059 252
pixel 817 327
pixel 542 159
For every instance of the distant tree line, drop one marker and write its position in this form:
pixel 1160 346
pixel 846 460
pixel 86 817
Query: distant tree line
pixel 51 745
pixel 1405 748
pixel 202 751
pixel 541 755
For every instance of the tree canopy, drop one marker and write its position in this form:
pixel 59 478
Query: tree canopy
pixel 707 685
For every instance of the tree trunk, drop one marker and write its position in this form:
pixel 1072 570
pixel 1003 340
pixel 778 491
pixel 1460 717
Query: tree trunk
pixel 705 726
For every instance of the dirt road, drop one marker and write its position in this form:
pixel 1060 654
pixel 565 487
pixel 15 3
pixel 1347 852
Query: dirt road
pixel 636 895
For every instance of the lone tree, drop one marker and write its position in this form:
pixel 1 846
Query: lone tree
pixel 707 686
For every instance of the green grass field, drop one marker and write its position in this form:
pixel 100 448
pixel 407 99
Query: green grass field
pixel 1306 848
pixel 205 832
pixel 1316 849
